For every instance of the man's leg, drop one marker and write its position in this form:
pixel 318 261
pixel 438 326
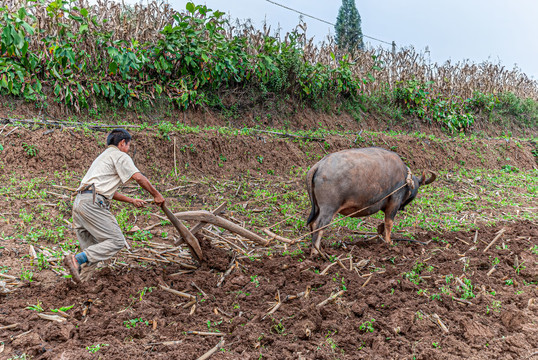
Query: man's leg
pixel 106 236
pixel 99 234
pixel 85 239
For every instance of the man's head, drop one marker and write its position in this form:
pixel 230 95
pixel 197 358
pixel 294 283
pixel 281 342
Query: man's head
pixel 120 138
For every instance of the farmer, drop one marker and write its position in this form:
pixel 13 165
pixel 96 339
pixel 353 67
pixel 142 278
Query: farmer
pixel 98 232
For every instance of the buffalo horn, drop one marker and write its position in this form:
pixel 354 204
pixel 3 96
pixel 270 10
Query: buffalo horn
pixel 431 179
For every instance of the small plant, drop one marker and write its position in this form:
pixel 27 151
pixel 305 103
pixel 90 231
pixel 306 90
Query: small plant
pixel 144 291
pixel 509 282
pixel 414 274
pixel 20 357
pixel 367 326
pixel 63 308
pixel 131 323
pixel 519 267
pixel 509 169
pixel 42 261
pixel 467 290
pixel 165 128
pixel 260 159
pixel 534 250
pixel 495 306
pixel 254 279
pixel 92 349
pixel 445 290
pixel 31 150
pixel 27 275
pixel 212 326
pixel 436 345
pixel 37 307
pixel 278 327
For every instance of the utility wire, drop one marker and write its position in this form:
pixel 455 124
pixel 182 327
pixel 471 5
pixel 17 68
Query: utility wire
pixel 323 21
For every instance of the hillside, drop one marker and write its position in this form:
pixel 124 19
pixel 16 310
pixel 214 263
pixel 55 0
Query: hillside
pixel 228 117
pixel 391 303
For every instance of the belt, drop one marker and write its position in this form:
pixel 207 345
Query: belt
pixel 90 189
pixel 90 192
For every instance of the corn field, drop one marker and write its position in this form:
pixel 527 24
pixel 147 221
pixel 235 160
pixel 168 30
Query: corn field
pixel 450 79
pixel 126 50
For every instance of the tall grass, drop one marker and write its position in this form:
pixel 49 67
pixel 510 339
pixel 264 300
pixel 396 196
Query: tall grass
pixel 72 52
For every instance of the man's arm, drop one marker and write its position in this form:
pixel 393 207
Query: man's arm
pixel 136 202
pixel 144 183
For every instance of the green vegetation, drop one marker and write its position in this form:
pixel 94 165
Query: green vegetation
pixel 495 307
pixel 212 326
pixel 192 60
pixel 31 150
pixel 198 58
pixel 37 307
pixel 348 27
pixel 131 323
pixel 254 279
pixel 63 308
pixel 367 326
pixel 92 349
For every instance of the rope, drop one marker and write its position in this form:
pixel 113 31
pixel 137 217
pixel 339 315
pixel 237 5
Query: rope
pixel 354 213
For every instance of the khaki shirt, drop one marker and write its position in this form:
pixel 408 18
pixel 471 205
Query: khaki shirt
pixel 108 171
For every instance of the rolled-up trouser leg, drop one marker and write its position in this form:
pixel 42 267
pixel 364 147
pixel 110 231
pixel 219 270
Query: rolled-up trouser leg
pixel 98 232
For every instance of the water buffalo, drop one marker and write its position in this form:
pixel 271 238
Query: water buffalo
pixel 360 182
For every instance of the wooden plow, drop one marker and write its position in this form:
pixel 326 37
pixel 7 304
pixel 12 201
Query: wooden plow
pixel 205 218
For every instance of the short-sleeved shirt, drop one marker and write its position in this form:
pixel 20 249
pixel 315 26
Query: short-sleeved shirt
pixel 108 171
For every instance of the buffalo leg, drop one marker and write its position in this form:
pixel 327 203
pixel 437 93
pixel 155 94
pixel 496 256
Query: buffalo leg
pixel 381 229
pixel 324 218
pixel 388 229
pixel 390 213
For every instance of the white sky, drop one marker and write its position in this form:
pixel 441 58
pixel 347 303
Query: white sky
pixel 496 30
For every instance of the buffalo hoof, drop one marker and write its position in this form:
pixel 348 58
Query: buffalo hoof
pixel 317 252
pixel 381 229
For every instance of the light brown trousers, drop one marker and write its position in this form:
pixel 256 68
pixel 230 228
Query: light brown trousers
pixel 98 232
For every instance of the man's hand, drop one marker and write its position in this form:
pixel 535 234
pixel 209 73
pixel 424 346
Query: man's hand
pixel 159 199
pixel 144 182
pixel 138 202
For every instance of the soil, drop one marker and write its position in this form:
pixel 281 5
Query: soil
pixel 395 298
pixel 402 314
pixel 214 154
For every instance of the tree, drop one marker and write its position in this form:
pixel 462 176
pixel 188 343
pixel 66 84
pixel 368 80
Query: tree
pixel 348 27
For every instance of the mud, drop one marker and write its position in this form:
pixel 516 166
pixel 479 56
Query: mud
pixel 394 299
pixel 388 310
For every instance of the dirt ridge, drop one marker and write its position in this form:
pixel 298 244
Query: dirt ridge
pixel 212 153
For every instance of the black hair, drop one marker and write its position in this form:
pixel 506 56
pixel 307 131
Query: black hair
pixel 117 135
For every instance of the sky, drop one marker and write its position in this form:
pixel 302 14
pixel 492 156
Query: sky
pixel 499 31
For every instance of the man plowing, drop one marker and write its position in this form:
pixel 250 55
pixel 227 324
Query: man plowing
pixel 97 230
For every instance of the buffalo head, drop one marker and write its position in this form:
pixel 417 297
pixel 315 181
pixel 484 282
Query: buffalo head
pixel 418 182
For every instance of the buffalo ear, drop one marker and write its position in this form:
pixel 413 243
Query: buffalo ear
pixel 423 178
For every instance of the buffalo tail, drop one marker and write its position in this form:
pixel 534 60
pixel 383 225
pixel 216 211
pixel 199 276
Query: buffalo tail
pixel 309 187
